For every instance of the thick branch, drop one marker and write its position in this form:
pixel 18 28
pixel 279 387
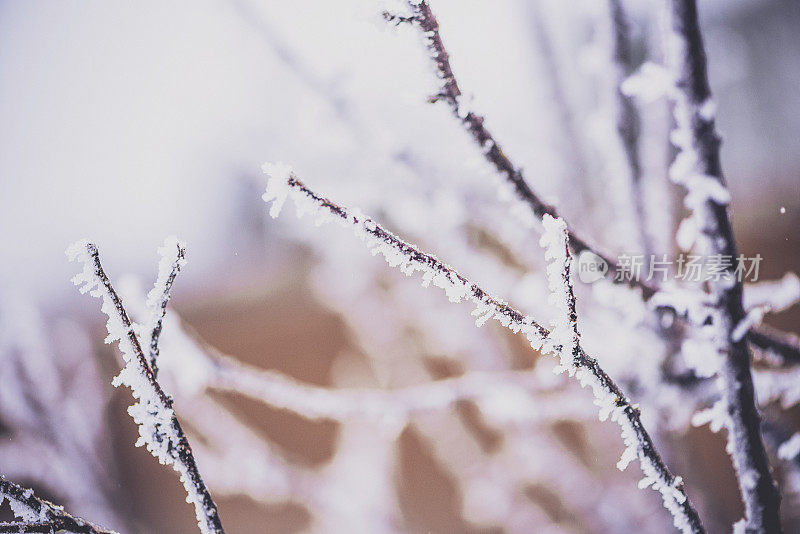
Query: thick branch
pixel 698 168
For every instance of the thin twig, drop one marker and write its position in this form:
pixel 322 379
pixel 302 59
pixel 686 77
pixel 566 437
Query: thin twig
pixel 159 296
pixel 177 445
pixel 409 259
pixel 474 123
pixel 627 119
pixel 699 163
pixel 50 517
pixel 784 345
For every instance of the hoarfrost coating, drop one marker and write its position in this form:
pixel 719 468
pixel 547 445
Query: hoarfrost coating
pixel 611 401
pixel 159 429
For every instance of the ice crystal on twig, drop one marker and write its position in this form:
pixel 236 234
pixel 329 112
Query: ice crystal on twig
pixel 159 429
pixel 612 402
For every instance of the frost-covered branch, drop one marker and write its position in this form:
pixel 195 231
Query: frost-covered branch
pixel 159 429
pixel 212 370
pixel 398 253
pixel 313 402
pixel 784 346
pixel 50 384
pixel 450 93
pixel 38 515
pixel 767 297
pixel 173 257
pixel 773 295
pixel 697 167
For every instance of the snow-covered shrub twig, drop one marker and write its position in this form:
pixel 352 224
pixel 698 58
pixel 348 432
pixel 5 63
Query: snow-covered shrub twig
pixel 159 429
pixel 697 167
pixel 173 257
pixel 398 253
pixel 39 515
pixel 423 17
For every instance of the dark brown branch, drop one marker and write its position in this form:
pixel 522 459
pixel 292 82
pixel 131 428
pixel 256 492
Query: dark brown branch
pixel 182 451
pixel 784 345
pixel 758 489
pixel 53 517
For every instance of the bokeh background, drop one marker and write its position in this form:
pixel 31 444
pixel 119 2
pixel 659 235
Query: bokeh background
pixel 127 122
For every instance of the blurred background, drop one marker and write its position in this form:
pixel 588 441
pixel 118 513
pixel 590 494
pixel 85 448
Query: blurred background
pixel 128 122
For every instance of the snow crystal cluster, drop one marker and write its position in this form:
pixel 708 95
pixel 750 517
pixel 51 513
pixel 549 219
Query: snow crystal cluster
pixel 563 339
pixel 172 260
pixel 20 507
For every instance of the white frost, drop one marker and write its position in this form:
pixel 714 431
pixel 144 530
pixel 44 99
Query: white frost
pixel 158 426
pixel 277 187
pixel 790 448
pixel 408 259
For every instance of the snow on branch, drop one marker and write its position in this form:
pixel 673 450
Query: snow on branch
pixel 38 515
pixel 767 297
pixel 197 367
pixel 159 429
pixel 173 258
pixel 225 373
pixel 564 328
pixel 450 93
pixel 782 346
pixel 398 253
pixel 698 168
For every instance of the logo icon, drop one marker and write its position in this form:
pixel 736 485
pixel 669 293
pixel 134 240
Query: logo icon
pixel 591 267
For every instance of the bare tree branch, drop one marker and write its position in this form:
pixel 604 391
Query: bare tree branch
pixel 39 515
pixel 775 342
pixel 698 168
pixel 173 257
pixel 450 93
pixel 409 259
pixel 159 427
pixel 313 402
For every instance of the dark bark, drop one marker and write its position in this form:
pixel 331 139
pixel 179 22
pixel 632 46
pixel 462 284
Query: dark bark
pixel 759 492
